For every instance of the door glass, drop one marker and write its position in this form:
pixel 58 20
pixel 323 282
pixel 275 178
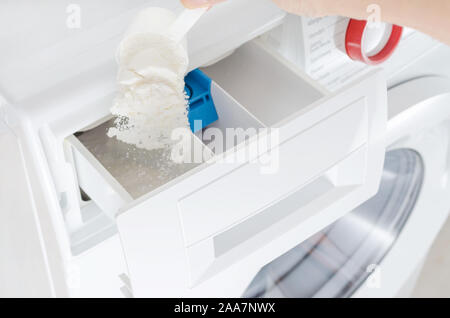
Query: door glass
pixel 337 260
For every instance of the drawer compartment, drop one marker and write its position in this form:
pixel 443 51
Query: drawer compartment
pixel 269 89
pixel 292 164
pixel 307 157
pixel 110 166
pixel 114 174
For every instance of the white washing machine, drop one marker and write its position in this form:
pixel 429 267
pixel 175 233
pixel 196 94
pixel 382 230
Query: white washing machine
pixel 378 249
pixel 357 196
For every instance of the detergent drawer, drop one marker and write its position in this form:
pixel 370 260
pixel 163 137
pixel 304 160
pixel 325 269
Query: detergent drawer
pixel 299 159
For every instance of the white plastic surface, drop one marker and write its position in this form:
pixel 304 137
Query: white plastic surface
pixel 95 180
pixel 24 270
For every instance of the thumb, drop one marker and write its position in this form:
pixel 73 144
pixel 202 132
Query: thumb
pixel 192 4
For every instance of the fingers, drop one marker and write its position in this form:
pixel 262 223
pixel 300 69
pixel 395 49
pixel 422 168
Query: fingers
pixel 192 4
pixel 313 8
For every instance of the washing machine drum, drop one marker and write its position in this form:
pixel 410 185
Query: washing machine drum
pixel 339 259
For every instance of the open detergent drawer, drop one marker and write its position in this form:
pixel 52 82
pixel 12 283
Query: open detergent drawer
pixel 307 157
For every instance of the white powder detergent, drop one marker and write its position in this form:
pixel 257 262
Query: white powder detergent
pixel 151 101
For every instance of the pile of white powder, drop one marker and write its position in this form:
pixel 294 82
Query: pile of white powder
pixel 151 101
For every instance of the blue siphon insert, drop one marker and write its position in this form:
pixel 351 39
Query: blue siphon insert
pixel 202 111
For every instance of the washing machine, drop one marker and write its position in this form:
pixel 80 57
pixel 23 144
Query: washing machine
pixel 345 199
pixel 378 249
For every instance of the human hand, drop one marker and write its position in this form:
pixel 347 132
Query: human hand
pixel 192 4
pixel 314 8
pixel 301 7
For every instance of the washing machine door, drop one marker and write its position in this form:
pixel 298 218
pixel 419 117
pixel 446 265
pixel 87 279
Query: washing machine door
pixel 380 237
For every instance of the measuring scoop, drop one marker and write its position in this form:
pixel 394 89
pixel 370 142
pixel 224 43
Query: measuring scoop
pixel 136 55
pixel 184 23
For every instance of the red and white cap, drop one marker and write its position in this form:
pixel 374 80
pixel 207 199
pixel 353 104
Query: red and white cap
pixel 357 35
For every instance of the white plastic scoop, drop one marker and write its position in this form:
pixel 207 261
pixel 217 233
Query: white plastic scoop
pixel 156 23
pixel 185 21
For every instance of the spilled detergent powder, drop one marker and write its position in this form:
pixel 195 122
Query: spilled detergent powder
pixel 151 102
